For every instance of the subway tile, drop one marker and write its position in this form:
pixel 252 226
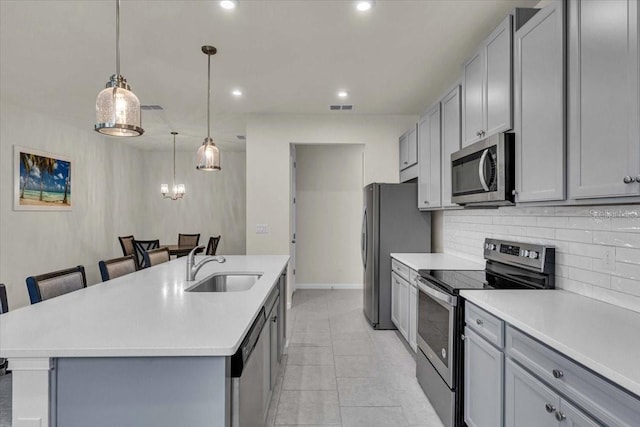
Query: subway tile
pixel 541 232
pixel 577 261
pixel 601 265
pixel 630 256
pixel 629 271
pixel 585 236
pixel 562 270
pixel 553 222
pixel 574 286
pixel 620 299
pixel 590 277
pixel 589 223
pixel 516 220
pixel 627 240
pixel 593 251
pixel 574 211
pixel 625 285
pixel 631 224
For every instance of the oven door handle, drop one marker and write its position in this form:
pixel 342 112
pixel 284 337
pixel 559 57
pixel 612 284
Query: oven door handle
pixel 483 160
pixel 431 290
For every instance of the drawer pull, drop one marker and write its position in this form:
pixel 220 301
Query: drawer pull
pixel 560 416
pixel 549 407
pixel 479 322
pixel 557 373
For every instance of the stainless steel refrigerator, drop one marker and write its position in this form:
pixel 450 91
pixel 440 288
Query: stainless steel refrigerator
pixel 391 222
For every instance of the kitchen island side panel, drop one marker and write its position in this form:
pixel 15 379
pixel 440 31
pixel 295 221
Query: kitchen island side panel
pixel 141 391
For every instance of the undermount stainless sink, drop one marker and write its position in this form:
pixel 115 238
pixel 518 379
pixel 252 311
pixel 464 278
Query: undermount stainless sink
pixel 227 282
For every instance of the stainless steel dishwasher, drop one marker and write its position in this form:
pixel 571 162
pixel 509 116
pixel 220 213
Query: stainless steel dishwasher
pixel 247 377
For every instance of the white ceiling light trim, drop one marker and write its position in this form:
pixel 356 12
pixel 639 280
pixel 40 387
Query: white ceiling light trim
pixel 364 5
pixel 229 4
pixel 117 107
pixel 236 92
pixel 343 94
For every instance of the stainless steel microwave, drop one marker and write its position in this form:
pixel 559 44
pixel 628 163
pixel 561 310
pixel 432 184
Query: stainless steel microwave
pixel 482 174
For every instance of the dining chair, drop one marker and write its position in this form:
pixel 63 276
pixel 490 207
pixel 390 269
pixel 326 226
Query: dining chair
pixel 116 267
pixel 156 256
pixel 143 246
pixel 188 239
pixel 128 247
pixel 51 285
pixel 4 307
pixel 212 246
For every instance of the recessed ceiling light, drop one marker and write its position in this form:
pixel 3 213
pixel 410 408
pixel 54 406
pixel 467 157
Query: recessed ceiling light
pixel 343 94
pixel 229 4
pixel 236 92
pixel 364 5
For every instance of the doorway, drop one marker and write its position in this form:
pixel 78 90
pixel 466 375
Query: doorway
pixel 326 207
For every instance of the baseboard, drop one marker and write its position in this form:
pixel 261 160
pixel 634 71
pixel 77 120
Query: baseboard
pixel 328 285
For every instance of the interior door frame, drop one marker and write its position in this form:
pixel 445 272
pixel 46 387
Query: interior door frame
pixel 292 223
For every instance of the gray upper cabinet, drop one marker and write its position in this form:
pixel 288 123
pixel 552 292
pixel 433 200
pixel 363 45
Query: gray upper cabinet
pixel 429 159
pixel 473 98
pixel 604 116
pixel 408 146
pixel 487 86
pixel 451 134
pixel 539 106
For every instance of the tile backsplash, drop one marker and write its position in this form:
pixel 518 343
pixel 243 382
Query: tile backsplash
pixel 597 247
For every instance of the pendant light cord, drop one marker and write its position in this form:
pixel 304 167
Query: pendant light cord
pixel 118 37
pixel 174 161
pixel 209 97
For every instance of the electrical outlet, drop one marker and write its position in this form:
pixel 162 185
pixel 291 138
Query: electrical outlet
pixel 262 228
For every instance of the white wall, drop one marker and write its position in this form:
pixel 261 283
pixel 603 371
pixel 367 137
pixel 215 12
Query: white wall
pixel 329 181
pixel 597 247
pixel 268 176
pixel 106 202
pixel 214 203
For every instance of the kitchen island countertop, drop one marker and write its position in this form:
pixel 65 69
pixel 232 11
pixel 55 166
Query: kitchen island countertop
pixel 146 313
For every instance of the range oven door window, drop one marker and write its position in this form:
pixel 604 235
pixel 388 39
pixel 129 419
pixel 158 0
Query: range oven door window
pixel 435 333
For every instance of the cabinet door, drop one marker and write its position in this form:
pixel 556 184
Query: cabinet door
pixel 604 124
pixel 473 98
pixel 273 356
pixel 403 148
pixel 498 89
pixel 528 403
pixel 429 165
pixel 450 136
pixel 483 382
pixel 413 318
pixel 403 309
pixel 395 300
pixel 574 417
pixel 539 105
pixel 412 146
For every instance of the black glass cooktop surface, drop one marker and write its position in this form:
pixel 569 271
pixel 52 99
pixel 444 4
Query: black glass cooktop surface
pixel 452 281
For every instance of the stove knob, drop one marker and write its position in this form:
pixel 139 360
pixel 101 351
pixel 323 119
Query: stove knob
pixel 533 255
pixel 492 247
pixel 486 246
pixel 525 253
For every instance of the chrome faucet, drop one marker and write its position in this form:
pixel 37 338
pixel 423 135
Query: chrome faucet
pixel 193 268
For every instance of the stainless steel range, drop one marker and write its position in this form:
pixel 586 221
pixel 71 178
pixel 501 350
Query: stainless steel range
pixel 440 358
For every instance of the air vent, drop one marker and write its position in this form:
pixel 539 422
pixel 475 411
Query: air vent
pixel 241 137
pixel 151 107
pixel 340 107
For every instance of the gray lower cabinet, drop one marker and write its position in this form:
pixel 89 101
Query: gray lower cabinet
pixel 528 402
pixel 539 106
pixel 603 110
pixel 483 382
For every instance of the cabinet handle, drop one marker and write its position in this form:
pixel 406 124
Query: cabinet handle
pixel 557 373
pixel 627 179
pixel 479 322
pixel 406 163
pixel 560 416
pixel 549 408
pixel 274 318
pixel 638 178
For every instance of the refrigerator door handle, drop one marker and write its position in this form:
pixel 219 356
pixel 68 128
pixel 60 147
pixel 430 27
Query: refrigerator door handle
pixel 364 239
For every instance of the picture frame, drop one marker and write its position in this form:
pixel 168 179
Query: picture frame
pixel 42 180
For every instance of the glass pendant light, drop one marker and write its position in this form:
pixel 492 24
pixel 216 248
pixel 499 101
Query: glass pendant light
pixel 117 108
pixel 177 191
pixel 208 157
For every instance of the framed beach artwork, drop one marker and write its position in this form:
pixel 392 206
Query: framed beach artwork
pixel 42 181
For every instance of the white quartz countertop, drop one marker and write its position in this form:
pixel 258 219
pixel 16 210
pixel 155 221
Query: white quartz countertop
pixel 600 336
pixel 146 313
pixel 424 261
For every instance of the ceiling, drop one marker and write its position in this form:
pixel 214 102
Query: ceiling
pixel 287 56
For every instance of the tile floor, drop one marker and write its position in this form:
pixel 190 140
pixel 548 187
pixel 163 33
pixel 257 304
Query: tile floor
pixel 338 371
